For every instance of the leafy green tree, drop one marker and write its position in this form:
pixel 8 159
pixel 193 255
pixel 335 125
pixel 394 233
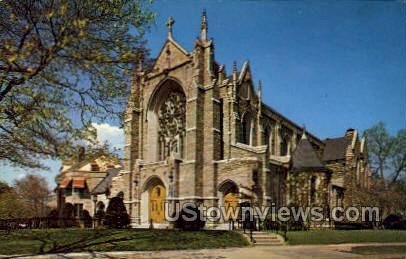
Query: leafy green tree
pixel 64 63
pixel 10 204
pixel 387 153
pixel 33 191
pixel 116 213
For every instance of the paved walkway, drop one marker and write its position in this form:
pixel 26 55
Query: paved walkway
pixel 300 251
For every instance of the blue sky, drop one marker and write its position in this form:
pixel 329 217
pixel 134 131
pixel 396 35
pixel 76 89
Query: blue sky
pixel 328 65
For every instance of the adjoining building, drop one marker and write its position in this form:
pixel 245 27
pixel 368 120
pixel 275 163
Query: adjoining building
pixel 194 133
pixel 85 182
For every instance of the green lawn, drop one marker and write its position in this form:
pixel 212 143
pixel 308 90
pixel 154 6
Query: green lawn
pixel 344 236
pixel 378 250
pixel 75 240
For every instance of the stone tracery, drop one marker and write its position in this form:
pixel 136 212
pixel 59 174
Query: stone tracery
pixel 172 120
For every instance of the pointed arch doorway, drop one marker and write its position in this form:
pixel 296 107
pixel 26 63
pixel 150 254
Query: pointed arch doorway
pixel 230 195
pixel 156 203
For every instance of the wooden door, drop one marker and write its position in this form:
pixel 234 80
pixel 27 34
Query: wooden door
pixel 230 200
pixel 157 196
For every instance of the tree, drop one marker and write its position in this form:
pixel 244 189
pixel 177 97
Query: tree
pixel 5 187
pixel 387 153
pixel 116 213
pixel 33 191
pixel 64 63
pixel 390 199
pixel 10 204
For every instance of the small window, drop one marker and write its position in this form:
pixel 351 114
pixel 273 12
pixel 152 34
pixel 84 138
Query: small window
pixel 313 189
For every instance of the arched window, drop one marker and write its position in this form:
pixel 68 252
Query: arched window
pixel 313 189
pixel 267 140
pixel 166 121
pixel 171 121
pixel 284 147
pixel 272 147
pixel 246 129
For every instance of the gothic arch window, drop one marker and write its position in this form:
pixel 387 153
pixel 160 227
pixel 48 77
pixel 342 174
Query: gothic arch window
pixel 166 121
pixel 171 122
pixel 272 142
pixel 284 147
pixel 246 128
pixel 267 137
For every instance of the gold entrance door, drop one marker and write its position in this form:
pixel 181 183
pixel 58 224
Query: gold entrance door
pixel 157 196
pixel 231 200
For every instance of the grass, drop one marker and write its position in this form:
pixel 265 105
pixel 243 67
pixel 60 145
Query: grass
pixel 344 236
pixel 80 240
pixel 375 250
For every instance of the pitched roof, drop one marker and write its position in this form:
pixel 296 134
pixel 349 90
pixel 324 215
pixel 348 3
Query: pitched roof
pixel 335 148
pixel 65 182
pixel 104 184
pixel 75 182
pixel 305 157
pixel 79 182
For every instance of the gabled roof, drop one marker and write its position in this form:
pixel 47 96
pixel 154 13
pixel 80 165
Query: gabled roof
pixel 245 73
pixel 335 148
pixel 104 184
pixel 176 50
pixel 305 157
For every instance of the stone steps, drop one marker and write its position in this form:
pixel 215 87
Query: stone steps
pixel 265 239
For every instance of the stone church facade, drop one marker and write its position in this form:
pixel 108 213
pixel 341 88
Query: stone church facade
pixel 194 133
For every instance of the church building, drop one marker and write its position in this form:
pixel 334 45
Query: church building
pixel 195 133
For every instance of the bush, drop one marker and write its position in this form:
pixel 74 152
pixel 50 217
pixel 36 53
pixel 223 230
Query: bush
pixel 87 219
pixel 187 213
pixel 394 222
pixel 68 216
pixel 53 219
pixel 116 214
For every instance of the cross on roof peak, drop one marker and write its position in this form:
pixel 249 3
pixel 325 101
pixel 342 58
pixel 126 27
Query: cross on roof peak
pixel 170 24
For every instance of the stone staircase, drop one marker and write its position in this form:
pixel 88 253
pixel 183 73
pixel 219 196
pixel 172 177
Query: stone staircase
pixel 262 238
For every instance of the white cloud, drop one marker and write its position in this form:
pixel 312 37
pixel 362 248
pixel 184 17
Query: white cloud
pixel 110 134
pixel 21 175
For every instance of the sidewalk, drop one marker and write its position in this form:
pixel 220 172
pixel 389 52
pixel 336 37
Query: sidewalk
pixel 299 251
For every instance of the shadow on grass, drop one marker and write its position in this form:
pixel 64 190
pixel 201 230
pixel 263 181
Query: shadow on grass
pixel 62 241
pixel 52 243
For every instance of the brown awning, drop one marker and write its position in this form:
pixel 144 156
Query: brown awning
pixel 78 182
pixel 65 182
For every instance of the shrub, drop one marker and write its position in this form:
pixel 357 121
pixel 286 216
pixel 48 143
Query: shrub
pixel 87 219
pixel 192 225
pixel 116 214
pixel 394 222
pixel 53 219
pixel 68 215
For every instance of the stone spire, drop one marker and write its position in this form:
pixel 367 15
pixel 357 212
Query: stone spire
pixel 235 76
pixel 259 91
pixel 259 97
pixel 304 136
pixel 203 26
pixel 170 24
